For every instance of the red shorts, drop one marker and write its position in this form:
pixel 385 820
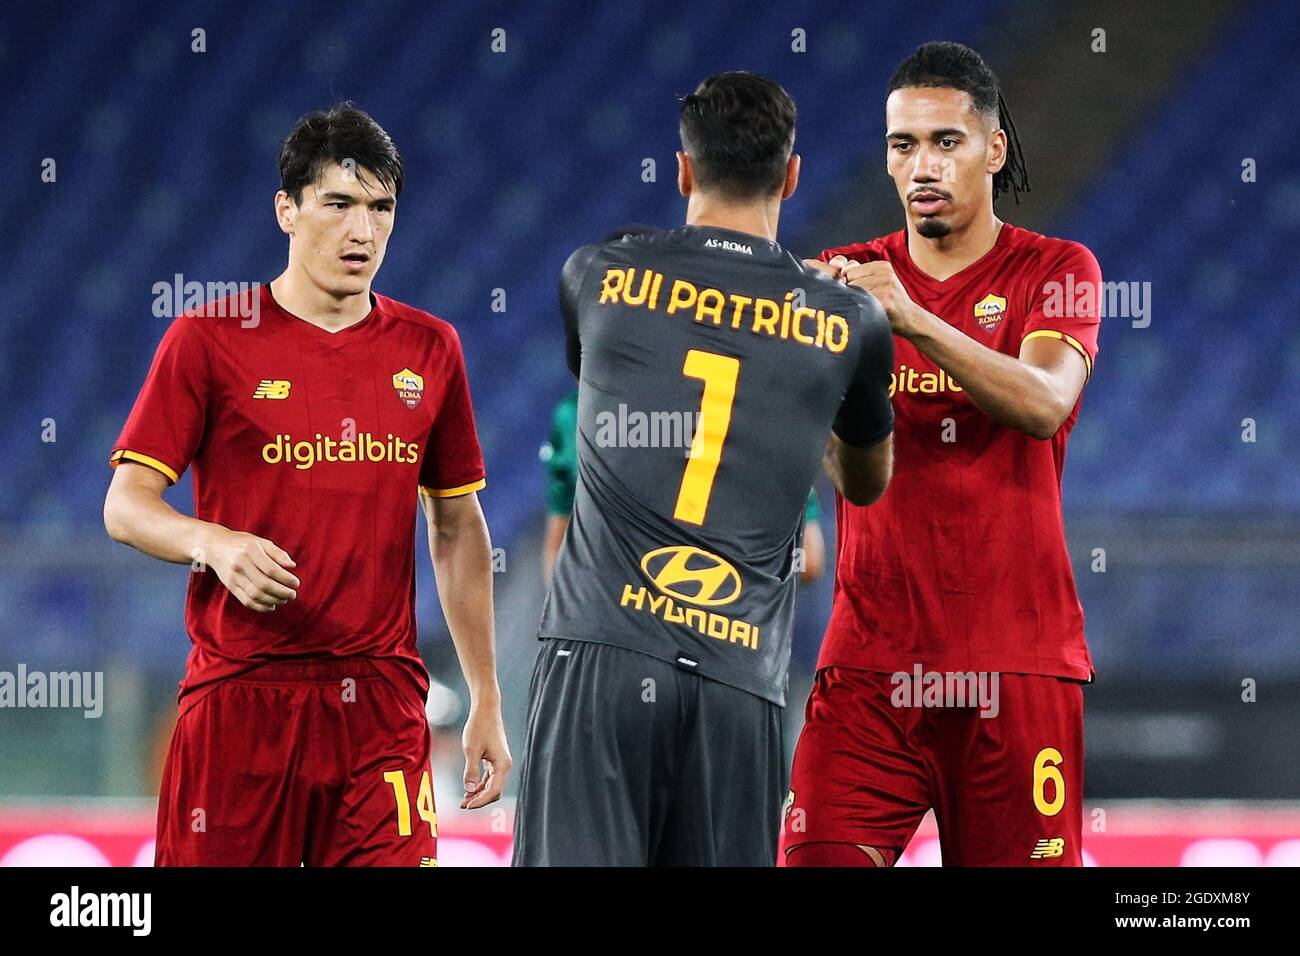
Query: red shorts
pixel 322 763
pixel 1006 790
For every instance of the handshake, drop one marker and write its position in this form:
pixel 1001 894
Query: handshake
pixel 877 278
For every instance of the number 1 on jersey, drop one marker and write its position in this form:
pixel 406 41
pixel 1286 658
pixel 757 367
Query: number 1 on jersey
pixel 719 374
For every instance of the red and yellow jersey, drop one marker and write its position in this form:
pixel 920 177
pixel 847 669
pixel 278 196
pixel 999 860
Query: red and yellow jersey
pixel 319 442
pixel 962 564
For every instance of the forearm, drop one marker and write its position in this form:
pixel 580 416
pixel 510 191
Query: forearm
pixel 860 475
pixel 832 465
pixel 1008 390
pixel 814 553
pixel 462 564
pixel 144 521
pixel 553 537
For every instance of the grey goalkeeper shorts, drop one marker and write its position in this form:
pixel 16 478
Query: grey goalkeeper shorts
pixel 631 761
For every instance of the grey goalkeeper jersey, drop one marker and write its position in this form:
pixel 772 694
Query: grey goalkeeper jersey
pixel 712 366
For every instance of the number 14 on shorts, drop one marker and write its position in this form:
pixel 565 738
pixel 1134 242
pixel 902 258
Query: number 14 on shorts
pixel 423 802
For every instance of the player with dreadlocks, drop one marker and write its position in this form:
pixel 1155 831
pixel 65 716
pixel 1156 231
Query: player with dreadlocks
pixel 951 676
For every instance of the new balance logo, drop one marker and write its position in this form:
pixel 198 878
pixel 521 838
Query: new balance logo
pixel 1048 849
pixel 272 388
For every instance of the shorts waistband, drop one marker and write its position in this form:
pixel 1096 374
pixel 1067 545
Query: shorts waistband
pixel 310 670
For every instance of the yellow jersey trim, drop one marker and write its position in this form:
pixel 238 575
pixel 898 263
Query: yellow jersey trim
pixel 1067 339
pixel 123 454
pixel 453 492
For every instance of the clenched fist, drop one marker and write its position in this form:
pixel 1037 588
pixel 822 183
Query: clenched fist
pixel 879 279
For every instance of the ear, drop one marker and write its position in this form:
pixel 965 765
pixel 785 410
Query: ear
pixel 791 176
pixel 286 210
pixel 685 175
pixel 997 151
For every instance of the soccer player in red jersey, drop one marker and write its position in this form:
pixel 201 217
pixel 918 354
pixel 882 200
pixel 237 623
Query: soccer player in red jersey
pixel 314 413
pixel 956 586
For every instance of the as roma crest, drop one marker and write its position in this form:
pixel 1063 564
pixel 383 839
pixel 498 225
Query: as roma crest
pixel 989 311
pixel 409 386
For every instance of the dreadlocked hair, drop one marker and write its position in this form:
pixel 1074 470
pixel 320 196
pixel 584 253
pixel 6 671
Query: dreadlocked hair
pixel 947 65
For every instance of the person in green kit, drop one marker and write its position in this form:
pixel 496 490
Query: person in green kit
pixel 559 455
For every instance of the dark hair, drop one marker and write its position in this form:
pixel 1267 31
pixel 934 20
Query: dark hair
pixel 946 65
pixel 738 129
pixel 331 136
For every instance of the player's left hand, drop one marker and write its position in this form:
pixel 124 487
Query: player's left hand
pixel 484 741
pixel 879 279
pixel 831 271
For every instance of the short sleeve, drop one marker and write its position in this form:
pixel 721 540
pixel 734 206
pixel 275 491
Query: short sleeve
pixel 453 461
pixel 167 422
pixel 572 277
pixel 866 416
pixel 1067 304
pixel 812 510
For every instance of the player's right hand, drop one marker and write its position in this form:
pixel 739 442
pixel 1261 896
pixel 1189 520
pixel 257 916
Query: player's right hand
pixel 255 570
